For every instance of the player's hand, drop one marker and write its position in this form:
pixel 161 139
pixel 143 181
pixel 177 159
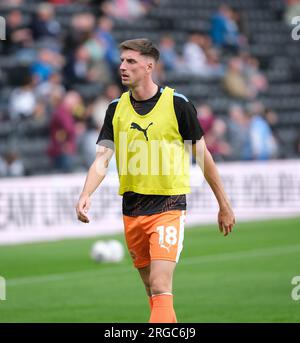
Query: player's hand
pixel 82 208
pixel 226 220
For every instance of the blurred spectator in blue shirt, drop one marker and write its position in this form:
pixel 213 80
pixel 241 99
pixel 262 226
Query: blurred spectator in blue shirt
pixel 168 54
pixel 224 29
pixel 42 68
pixel 47 62
pixel 263 143
pixel 104 35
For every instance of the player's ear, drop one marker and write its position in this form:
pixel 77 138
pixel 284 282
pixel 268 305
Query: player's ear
pixel 150 66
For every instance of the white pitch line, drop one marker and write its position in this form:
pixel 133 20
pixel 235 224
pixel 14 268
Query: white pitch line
pixel 287 249
pixel 265 252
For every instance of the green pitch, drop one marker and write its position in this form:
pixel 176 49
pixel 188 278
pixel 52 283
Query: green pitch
pixel 245 277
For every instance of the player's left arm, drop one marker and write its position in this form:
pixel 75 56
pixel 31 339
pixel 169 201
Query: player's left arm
pixel 204 159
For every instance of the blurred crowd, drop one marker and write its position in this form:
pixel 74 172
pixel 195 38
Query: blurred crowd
pixel 54 63
pixel 222 53
pixel 245 134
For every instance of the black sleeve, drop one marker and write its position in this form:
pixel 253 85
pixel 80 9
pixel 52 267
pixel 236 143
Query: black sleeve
pixel 188 124
pixel 106 136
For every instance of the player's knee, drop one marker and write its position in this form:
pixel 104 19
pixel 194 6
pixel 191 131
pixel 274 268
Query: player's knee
pixel 158 286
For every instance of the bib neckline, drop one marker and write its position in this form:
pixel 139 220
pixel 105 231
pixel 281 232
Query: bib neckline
pixel 147 115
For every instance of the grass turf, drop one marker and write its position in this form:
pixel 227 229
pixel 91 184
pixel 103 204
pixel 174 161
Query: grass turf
pixel 245 277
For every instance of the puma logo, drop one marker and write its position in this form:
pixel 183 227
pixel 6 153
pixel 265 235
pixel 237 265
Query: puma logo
pixel 165 247
pixel 137 127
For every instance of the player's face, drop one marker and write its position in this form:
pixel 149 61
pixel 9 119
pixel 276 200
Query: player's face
pixel 134 67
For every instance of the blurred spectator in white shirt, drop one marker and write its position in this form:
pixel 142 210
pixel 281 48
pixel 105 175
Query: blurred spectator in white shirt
pixel 22 101
pixel 194 55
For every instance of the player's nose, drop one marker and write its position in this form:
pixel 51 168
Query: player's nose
pixel 122 66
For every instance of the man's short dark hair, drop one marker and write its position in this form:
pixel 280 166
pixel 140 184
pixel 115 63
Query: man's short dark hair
pixel 143 45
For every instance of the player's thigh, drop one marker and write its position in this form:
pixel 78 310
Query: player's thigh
pixel 137 242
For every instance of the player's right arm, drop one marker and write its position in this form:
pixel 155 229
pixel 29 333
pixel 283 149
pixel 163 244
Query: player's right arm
pixel 94 178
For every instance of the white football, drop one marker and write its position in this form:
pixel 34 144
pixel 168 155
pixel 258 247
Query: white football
pixel 100 252
pixel 107 251
pixel 116 250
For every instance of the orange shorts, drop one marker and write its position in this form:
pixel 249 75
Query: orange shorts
pixel 155 237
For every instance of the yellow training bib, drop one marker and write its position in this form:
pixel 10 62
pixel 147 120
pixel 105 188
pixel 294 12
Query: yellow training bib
pixel 150 152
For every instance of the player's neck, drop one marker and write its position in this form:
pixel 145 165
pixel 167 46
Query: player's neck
pixel 144 92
